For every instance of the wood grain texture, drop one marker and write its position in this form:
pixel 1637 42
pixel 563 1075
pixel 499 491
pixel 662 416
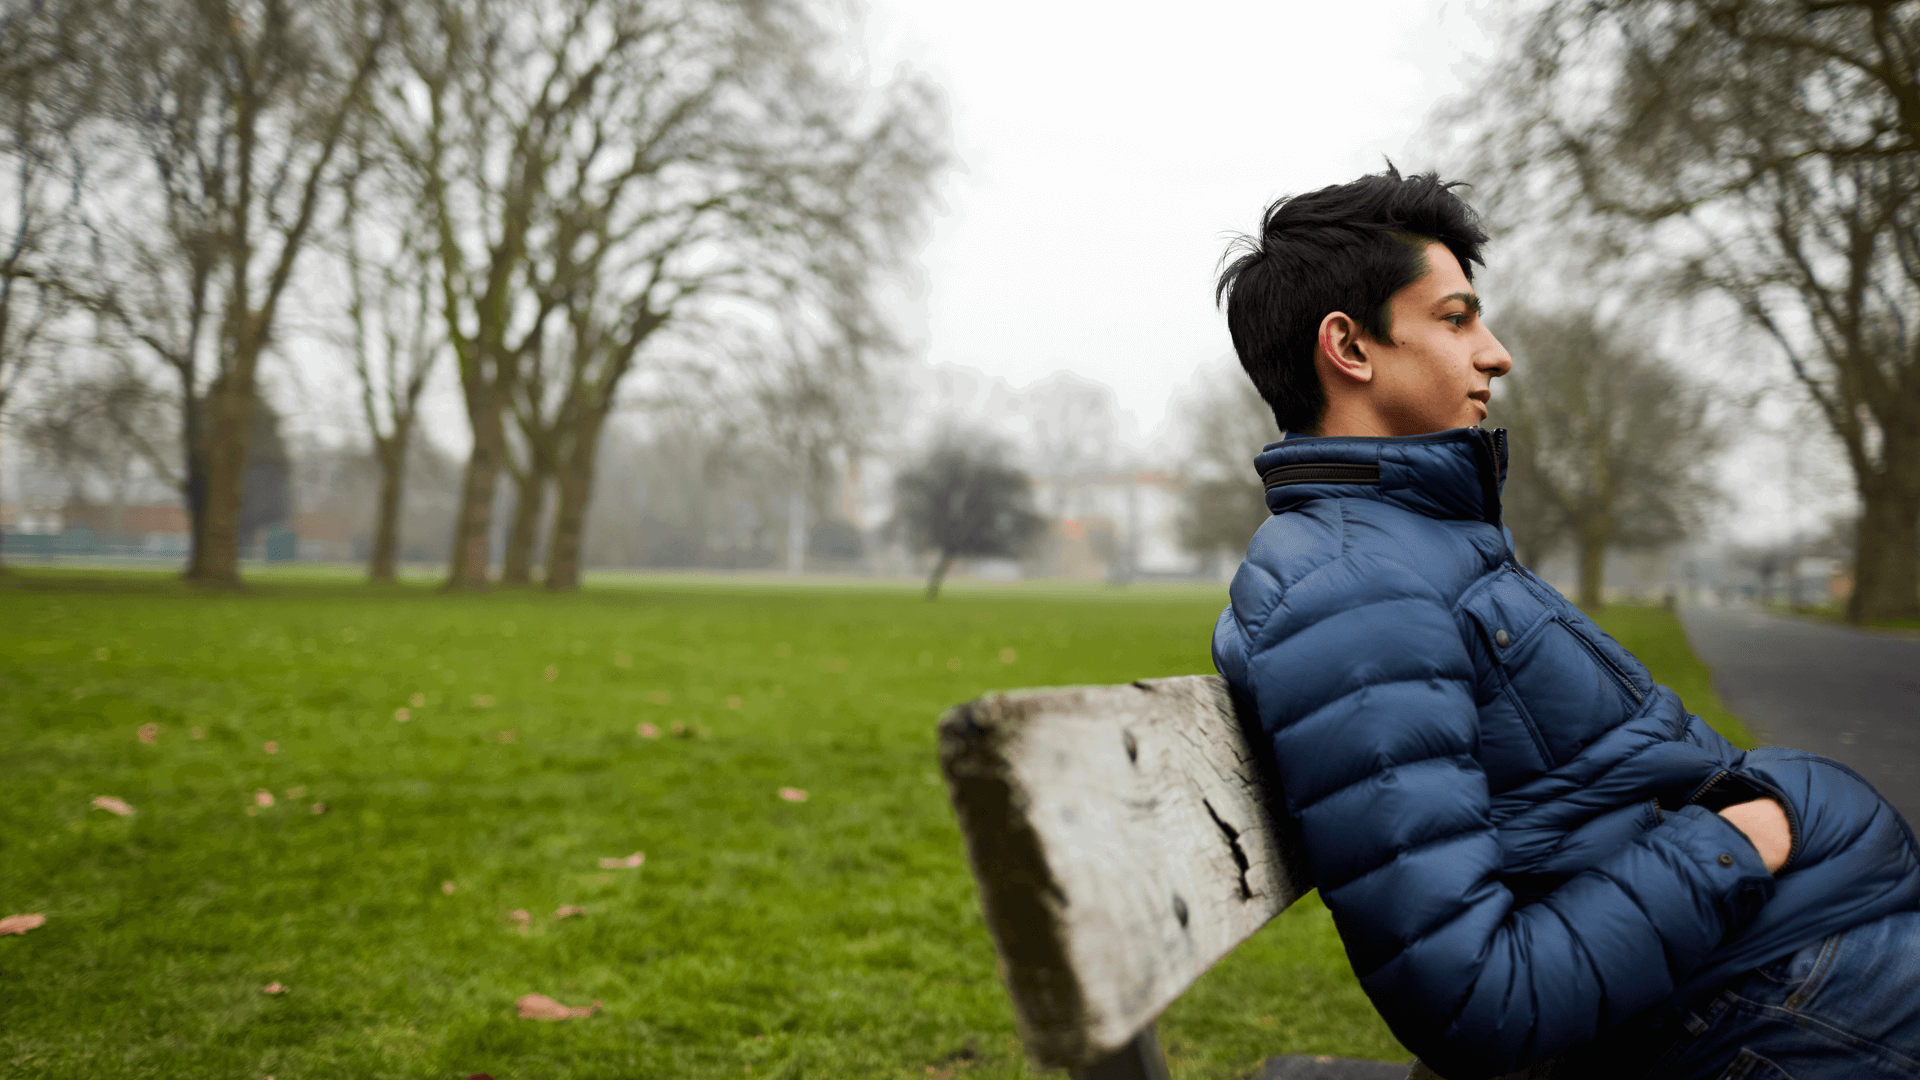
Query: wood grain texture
pixel 1123 842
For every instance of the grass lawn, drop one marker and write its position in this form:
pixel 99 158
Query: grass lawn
pixel 837 936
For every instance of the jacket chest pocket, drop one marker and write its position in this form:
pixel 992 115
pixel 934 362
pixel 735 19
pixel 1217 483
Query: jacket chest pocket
pixel 1562 686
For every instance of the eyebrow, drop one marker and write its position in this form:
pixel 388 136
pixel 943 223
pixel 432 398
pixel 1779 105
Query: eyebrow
pixel 1467 298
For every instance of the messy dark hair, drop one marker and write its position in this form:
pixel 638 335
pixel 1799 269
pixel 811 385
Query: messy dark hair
pixel 1345 248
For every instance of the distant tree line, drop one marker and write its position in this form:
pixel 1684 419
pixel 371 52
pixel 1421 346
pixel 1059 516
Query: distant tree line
pixel 570 202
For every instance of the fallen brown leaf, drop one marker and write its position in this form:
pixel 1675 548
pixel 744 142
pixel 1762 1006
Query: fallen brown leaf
pixel 565 911
pixel 552 673
pixel 542 1007
pixel 20 924
pixel 298 791
pixel 273 988
pixel 263 797
pixel 149 733
pixel 197 733
pixel 630 861
pixel 418 701
pixel 793 794
pixel 483 701
pixel 112 805
pixel 521 917
pixel 648 731
pixel 270 746
pixel 319 808
pixel 448 887
pixel 402 714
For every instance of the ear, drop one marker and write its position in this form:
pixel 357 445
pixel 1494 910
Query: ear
pixel 1343 348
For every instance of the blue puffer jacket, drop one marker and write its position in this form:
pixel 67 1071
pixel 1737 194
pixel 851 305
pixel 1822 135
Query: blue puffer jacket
pixel 1511 822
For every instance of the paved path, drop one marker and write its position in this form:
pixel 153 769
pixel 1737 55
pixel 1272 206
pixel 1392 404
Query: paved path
pixel 1850 695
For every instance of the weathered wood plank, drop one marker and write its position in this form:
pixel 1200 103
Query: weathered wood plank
pixel 1121 840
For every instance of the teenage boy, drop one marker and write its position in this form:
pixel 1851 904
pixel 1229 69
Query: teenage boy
pixel 1527 845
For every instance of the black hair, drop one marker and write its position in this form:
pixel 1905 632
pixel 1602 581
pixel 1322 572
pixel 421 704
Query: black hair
pixel 1347 248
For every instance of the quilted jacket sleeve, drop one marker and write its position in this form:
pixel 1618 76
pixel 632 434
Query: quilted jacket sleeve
pixel 1360 677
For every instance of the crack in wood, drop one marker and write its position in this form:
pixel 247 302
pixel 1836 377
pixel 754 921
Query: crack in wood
pixel 1233 841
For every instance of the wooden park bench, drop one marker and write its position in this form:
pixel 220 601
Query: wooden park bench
pixel 1124 839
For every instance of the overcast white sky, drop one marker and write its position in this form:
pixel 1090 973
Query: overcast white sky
pixel 1108 149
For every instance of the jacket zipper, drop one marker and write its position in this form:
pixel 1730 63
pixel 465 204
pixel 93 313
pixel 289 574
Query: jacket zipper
pixel 1708 785
pixel 1492 442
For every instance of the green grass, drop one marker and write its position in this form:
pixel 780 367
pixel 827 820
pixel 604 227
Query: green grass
pixel 836 937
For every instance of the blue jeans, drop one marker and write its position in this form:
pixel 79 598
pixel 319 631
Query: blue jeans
pixel 1847 1006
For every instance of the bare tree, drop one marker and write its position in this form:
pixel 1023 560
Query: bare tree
pixel 395 345
pixel 627 166
pixel 46 93
pixel 1610 446
pixel 771 188
pixel 1227 424
pixel 236 111
pixel 474 115
pixel 1775 144
pixel 965 499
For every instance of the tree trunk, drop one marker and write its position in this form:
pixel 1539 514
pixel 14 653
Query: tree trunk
pixel 193 486
pixel 517 568
pixel 940 569
pixel 468 561
pixel 1886 583
pixel 386 525
pixel 230 408
pixel 570 517
pixel 3 530
pixel 1593 567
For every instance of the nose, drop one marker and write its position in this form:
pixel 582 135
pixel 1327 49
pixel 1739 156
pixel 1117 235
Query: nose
pixel 1493 358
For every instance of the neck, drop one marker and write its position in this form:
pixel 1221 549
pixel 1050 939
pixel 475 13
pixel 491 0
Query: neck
pixel 1348 418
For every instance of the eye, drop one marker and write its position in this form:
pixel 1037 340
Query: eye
pixel 1459 318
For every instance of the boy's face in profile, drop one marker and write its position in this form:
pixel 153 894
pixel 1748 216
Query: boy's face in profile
pixel 1438 372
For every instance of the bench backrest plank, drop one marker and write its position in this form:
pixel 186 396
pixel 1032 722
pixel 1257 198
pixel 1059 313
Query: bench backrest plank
pixel 1123 840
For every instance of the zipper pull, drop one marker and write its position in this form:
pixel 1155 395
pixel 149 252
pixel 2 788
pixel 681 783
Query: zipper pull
pixel 1492 442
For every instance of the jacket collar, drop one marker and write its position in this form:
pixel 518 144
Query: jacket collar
pixel 1452 475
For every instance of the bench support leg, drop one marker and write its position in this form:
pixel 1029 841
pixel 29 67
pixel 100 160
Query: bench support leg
pixel 1140 1059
